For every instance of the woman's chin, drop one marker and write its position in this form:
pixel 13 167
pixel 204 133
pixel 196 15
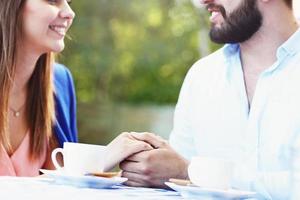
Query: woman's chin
pixel 58 47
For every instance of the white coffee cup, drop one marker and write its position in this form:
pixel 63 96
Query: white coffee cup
pixel 211 172
pixel 80 158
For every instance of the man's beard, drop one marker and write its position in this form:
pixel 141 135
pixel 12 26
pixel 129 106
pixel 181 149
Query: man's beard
pixel 238 26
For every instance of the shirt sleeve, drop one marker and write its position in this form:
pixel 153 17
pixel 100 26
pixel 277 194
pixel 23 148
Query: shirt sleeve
pixel 65 126
pixel 181 137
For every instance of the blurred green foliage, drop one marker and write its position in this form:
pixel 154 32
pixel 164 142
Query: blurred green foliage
pixel 132 51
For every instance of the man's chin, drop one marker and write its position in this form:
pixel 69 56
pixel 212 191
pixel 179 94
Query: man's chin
pixel 217 26
pixel 217 35
pixel 222 36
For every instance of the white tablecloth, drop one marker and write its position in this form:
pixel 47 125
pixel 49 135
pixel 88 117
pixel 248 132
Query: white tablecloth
pixel 16 188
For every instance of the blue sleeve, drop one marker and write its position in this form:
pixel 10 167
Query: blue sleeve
pixel 65 127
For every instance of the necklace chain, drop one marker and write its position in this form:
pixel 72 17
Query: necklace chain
pixel 17 112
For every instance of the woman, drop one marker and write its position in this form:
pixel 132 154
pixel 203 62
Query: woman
pixel 30 32
pixel 37 99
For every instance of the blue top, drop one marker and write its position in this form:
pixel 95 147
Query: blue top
pixel 65 126
pixel 213 118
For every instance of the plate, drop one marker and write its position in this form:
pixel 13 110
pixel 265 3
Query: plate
pixel 195 192
pixel 83 181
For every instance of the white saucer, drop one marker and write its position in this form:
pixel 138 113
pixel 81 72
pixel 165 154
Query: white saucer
pixel 195 192
pixel 83 181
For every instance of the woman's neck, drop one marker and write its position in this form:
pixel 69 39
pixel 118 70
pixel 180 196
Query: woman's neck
pixel 25 65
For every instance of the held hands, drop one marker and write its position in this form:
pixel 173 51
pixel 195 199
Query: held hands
pixel 121 147
pixel 153 166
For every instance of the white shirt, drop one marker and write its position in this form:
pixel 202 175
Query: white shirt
pixel 212 117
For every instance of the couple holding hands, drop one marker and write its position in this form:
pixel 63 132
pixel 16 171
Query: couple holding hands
pixel 241 103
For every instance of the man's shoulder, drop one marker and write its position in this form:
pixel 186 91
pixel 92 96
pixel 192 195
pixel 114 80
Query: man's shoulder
pixel 210 63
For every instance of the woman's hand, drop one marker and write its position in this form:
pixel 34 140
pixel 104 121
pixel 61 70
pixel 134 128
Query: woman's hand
pixel 153 168
pixel 122 147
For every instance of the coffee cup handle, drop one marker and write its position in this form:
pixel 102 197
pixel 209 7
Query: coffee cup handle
pixel 54 156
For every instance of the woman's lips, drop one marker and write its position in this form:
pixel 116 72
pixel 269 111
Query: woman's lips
pixel 59 29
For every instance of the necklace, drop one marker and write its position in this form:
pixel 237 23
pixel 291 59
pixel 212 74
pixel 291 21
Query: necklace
pixel 17 113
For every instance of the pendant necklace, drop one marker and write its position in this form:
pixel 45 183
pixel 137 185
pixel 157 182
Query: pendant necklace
pixel 17 113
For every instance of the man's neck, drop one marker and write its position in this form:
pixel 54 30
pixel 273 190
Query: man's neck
pixel 263 45
pixel 259 52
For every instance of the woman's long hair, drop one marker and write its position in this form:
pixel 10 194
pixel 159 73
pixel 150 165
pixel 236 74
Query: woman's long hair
pixel 40 100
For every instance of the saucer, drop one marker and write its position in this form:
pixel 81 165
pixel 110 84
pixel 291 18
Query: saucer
pixel 196 192
pixel 85 181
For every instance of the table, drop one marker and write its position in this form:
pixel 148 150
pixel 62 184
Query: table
pixel 20 188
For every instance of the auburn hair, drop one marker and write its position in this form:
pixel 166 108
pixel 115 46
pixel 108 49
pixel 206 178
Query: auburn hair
pixel 40 100
pixel 289 3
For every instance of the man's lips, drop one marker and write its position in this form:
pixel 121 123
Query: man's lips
pixel 216 10
pixel 215 17
pixel 212 9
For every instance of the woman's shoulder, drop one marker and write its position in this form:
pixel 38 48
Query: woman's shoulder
pixel 61 72
pixel 65 104
pixel 62 77
pixel 63 81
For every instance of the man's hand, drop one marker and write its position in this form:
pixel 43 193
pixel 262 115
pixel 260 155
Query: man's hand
pixel 122 147
pixel 153 167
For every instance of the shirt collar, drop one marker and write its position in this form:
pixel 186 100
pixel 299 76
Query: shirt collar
pixel 232 63
pixel 230 49
pixel 291 46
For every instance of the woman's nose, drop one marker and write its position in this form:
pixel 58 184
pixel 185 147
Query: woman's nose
pixel 67 11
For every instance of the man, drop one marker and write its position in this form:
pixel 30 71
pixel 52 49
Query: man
pixel 240 103
pixel 296 5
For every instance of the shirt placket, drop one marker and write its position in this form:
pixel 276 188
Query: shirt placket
pixel 254 131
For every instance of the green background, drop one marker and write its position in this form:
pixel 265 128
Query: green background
pixel 129 59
